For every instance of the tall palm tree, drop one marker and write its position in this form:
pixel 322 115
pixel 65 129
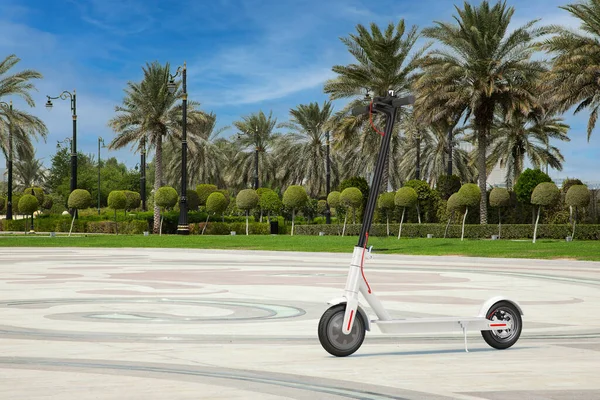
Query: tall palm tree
pixel 29 171
pixel 526 136
pixel 303 154
pixel 206 162
pixel 481 66
pixel 150 111
pixel 383 62
pixel 255 139
pixel 573 79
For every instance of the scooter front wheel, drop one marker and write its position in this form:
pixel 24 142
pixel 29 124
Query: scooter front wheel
pixel 333 340
pixel 503 311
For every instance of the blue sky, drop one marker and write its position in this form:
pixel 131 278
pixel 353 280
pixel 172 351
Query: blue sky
pixel 242 55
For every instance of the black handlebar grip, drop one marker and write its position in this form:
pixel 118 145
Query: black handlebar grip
pixel 404 101
pixel 356 111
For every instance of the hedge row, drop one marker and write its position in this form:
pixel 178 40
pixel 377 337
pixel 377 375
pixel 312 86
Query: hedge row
pixel 81 226
pixel 582 232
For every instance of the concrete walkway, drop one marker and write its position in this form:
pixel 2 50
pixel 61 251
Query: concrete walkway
pixel 82 324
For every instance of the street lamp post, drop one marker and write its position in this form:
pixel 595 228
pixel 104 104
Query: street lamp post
pixel 328 180
pixel 100 140
pixel 183 226
pixel 10 162
pixel 64 96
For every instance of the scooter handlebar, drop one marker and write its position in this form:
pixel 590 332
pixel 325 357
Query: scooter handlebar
pixel 396 103
pixel 403 101
pixel 356 111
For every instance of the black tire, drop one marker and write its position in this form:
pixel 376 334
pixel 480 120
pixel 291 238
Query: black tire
pixel 503 339
pixel 330 332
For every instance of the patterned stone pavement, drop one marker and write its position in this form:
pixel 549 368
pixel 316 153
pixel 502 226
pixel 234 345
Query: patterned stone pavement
pixel 196 324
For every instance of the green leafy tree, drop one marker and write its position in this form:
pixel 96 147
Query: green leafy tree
pixel 117 200
pixel 423 194
pixel 481 65
pixel 578 196
pixel 333 198
pixel 215 204
pixel 351 198
pixel 133 200
pixel 165 198
pixel 544 195
pixel 447 185
pixel 525 185
pixel 246 200
pixel 192 200
pixel 79 199
pixel 204 190
pixel 406 196
pixel 469 196
pixel 270 202
pixel 455 204
pixel 294 197
pixel 386 204
pixel 499 198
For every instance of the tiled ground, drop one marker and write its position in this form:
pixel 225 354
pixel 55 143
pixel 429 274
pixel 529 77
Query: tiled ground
pixel 185 324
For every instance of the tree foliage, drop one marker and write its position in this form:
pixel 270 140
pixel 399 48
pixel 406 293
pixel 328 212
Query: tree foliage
pixel 469 195
pixel 79 199
pixel 528 180
pixel 117 200
pixel 216 203
pixel 28 204
pixel 447 185
pixel 204 190
pixel 165 197
pixel 246 199
pixel 545 194
pixel 578 196
pixel 295 197
pixel 499 197
pixel 406 196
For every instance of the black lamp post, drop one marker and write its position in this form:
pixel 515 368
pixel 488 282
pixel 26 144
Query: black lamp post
pixel 100 140
pixel 418 167
pixel 183 226
pixel 328 180
pixel 10 162
pixel 64 96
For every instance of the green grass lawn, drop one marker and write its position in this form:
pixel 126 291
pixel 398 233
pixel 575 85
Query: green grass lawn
pixel 545 249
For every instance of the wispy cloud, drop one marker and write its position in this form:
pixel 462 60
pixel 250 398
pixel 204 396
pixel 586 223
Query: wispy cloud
pixel 121 17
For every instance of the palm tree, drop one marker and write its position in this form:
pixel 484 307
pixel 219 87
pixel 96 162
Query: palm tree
pixel 383 62
pixel 303 153
pixel 256 139
pixel 29 172
pixel 573 79
pixel 206 161
pixel 526 136
pixel 152 113
pixel 480 66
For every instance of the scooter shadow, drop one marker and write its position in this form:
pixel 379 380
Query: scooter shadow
pixel 434 352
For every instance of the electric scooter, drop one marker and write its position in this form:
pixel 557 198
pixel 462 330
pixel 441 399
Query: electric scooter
pixel 343 326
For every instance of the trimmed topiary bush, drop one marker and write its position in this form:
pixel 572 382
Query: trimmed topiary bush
pixel 215 204
pixel 544 195
pixel 165 198
pixel 423 193
pixel 333 198
pixel 117 201
pixel 386 204
pixel 351 198
pixel 469 195
pixel 578 196
pixel 406 196
pixel 270 202
pixel 246 200
pixel 204 190
pixel 28 204
pixel 37 192
pixel 454 204
pixel 499 198
pixel 79 199
pixel 294 197
pixel 133 200
pixel 527 182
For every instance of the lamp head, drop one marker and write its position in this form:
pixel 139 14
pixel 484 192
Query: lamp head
pixel 171 86
pixel 49 105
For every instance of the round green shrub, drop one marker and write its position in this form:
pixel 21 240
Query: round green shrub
pixel 216 203
pixel 28 204
pixel 578 196
pixel 117 200
pixel 545 194
pixel 37 192
pixel 406 196
pixel 455 203
pixel 269 201
pixel 499 197
pixel 386 201
pixel 295 196
pixel 421 187
pixel 567 183
pixel 192 200
pixel 165 197
pixel 246 199
pixel 470 195
pixel 204 190
pixel 79 199
pixel 447 185
pixel 334 199
pixel 356 182
pixel 225 193
pixel 351 197
pixel 321 206
pixel 48 203
pixel 527 182
pixel 134 199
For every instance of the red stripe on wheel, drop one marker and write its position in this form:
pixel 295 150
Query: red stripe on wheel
pixel 497 324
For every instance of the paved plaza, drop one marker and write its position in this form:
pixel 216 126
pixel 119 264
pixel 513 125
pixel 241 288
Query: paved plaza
pixel 83 324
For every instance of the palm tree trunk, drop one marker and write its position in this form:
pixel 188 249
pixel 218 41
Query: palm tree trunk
pixel 536 224
pixel 462 235
pixel 482 171
pixel 401 221
pixel 157 181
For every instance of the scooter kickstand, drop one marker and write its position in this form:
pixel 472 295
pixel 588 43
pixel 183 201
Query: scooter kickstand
pixel 464 328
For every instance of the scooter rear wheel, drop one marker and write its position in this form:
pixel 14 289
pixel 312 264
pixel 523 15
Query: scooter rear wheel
pixel 333 340
pixel 503 311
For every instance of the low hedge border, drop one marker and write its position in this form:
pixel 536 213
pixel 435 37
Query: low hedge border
pixel 63 224
pixel 582 232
